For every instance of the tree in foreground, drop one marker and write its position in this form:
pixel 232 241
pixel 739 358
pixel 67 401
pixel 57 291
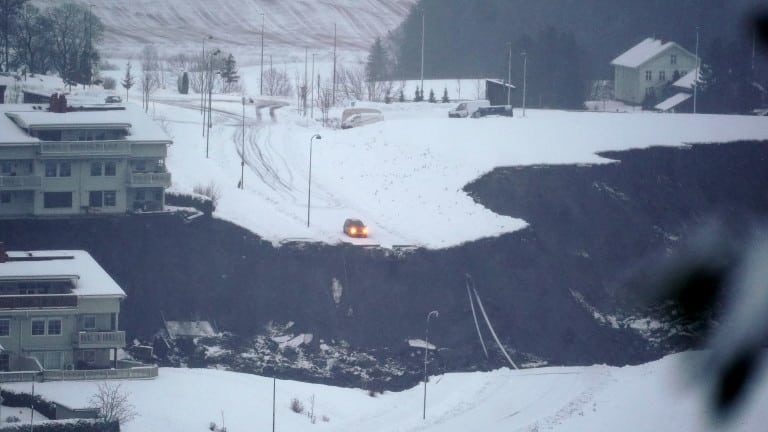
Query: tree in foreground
pixel 113 403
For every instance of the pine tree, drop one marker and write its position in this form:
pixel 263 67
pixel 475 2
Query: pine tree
pixel 127 80
pixel 229 73
pixel 402 97
pixel 416 95
pixel 377 66
pixel 432 96
pixel 184 83
pixel 445 95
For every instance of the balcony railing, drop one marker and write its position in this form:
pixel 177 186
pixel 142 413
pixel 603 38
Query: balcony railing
pixel 38 301
pixel 85 148
pixel 150 179
pixel 111 339
pixel 20 182
pixel 141 372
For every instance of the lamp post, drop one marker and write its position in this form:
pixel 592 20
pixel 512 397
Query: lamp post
pixel 90 44
pixel 210 94
pixel 242 153
pixel 426 350
pixel 525 70
pixel 202 85
pixel 509 74
pixel 422 52
pixel 696 71
pixel 261 73
pixel 309 188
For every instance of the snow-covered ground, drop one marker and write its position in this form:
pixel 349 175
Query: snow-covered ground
pixel 403 176
pixel 659 396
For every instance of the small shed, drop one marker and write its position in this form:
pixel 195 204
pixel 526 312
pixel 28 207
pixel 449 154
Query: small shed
pixel 498 92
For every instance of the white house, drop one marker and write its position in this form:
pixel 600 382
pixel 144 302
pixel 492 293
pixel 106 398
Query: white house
pixel 649 66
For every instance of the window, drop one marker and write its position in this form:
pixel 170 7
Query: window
pixel 110 198
pixel 52 360
pixel 95 199
pixel 110 169
pixel 65 169
pixel 95 169
pixel 54 327
pixel 662 75
pixel 158 195
pixel 89 322
pixel 673 59
pixel 5 362
pixel 5 197
pixel 38 327
pixel 5 167
pixel 648 75
pixel 88 356
pixel 5 327
pixel 140 165
pixel 57 200
pixel 50 169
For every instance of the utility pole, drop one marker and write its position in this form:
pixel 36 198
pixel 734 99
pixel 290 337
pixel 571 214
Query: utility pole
pixel 509 74
pixel 304 90
pixel 90 44
pixel 312 103
pixel 422 51
pixel 261 74
pixel 334 65
pixel 242 154
pixel 210 96
pixel 202 84
pixel 426 350
pixel 309 186
pixel 525 72
pixel 696 71
pixel 274 392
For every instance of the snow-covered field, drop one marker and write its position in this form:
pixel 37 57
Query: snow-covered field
pixel 659 396
pixel 403 176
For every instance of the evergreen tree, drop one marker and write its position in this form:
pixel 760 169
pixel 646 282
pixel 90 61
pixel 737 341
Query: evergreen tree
pixel 127 81
pixel 417 96
pixel 184 83
pixel 402 97
pixel 445 95
pixel 229 74
pixel 432 96
pixel 377 66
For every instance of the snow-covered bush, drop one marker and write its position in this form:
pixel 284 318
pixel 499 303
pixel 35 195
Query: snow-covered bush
pixel 297 406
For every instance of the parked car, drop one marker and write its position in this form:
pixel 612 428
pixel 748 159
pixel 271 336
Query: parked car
pixel 113 99
pixel 466 109
pixel 496 110
pixel 355 228
pixel 354 117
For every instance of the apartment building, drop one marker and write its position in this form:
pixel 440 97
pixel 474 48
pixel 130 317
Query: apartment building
pixel 60 160
pixel 59 311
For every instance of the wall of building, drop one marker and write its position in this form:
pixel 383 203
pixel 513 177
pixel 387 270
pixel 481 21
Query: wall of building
pixel 631 84
pixel 626 84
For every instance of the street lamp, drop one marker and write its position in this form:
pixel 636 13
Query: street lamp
pixel 422 52
pixel 509 74
pixel 525 70
pixel 426 350
pixel 242 154
pixel 696 71
pixel 312 102
pixel 210 94
pixel 309 188
pixel 202 90
pixel 261 74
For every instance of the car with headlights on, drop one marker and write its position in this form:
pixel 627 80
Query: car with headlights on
pixel 355 228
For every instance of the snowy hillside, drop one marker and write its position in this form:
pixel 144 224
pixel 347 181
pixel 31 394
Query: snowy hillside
pixel 659 396
pixel 236 24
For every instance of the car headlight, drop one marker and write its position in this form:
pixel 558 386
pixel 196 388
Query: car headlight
pixel 353 230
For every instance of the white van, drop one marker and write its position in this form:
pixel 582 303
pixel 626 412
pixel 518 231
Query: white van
pixel 466 109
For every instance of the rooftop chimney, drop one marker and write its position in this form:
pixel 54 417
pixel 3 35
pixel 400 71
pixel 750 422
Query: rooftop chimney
pixel 3 255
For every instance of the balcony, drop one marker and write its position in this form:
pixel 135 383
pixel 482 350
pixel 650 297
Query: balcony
pixel 28 182
pixel 38 301
pixel 85 148
pixel 160 179
pixel 96 339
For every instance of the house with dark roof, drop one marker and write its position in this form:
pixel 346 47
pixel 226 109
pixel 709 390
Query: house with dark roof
pixel 646 68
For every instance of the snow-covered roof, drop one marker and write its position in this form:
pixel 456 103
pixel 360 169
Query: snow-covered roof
pixel 673 101
pixel 501 83
pixel 14 118
pixel 642 52
pixel 92 280
pixel 687 81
